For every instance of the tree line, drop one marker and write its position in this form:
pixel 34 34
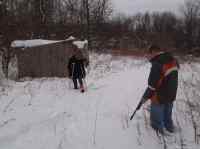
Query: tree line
pixel 93 20
pixel 48 19
pixel 57 19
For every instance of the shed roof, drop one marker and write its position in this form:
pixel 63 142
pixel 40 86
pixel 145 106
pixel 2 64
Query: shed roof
pixel 40 42
pixel 31 43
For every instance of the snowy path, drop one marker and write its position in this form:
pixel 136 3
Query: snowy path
pixel 47 114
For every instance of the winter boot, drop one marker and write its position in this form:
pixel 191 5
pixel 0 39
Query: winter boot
pixel 82 89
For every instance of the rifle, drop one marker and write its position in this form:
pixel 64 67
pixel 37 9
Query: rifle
pixel 137 108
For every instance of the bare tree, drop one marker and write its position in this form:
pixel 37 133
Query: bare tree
pixel 101 10
pixel 191 13
pixel 42 14
pixel 6 34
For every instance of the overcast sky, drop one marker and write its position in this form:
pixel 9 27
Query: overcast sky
pixel 134 6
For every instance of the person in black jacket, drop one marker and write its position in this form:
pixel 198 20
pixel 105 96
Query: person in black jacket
pixel 76 70
pixel 162 88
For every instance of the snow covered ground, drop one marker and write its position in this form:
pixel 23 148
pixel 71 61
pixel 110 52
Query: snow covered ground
pixel 47 113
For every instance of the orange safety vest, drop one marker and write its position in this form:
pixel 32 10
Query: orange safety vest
pixel 166 70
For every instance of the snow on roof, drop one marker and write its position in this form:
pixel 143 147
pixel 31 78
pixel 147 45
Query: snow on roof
pixel 31 43
pixel 38 42
pixel 80 44
pixel 70 38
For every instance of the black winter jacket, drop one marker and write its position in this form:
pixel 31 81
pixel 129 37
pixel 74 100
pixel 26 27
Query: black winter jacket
pixel 163 79
pixel 76 68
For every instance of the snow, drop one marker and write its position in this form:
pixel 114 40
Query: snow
pixel 70 38
pixel 47 113
pixel 13 68
pixel 2 76
pixel 38 42
pixel 80 44
pixel 31 43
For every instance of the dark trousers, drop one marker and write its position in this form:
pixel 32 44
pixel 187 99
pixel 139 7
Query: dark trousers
pixel 80 81
pixel 161 116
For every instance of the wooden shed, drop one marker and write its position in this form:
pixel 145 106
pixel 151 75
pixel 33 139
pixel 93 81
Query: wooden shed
pixel 45 60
